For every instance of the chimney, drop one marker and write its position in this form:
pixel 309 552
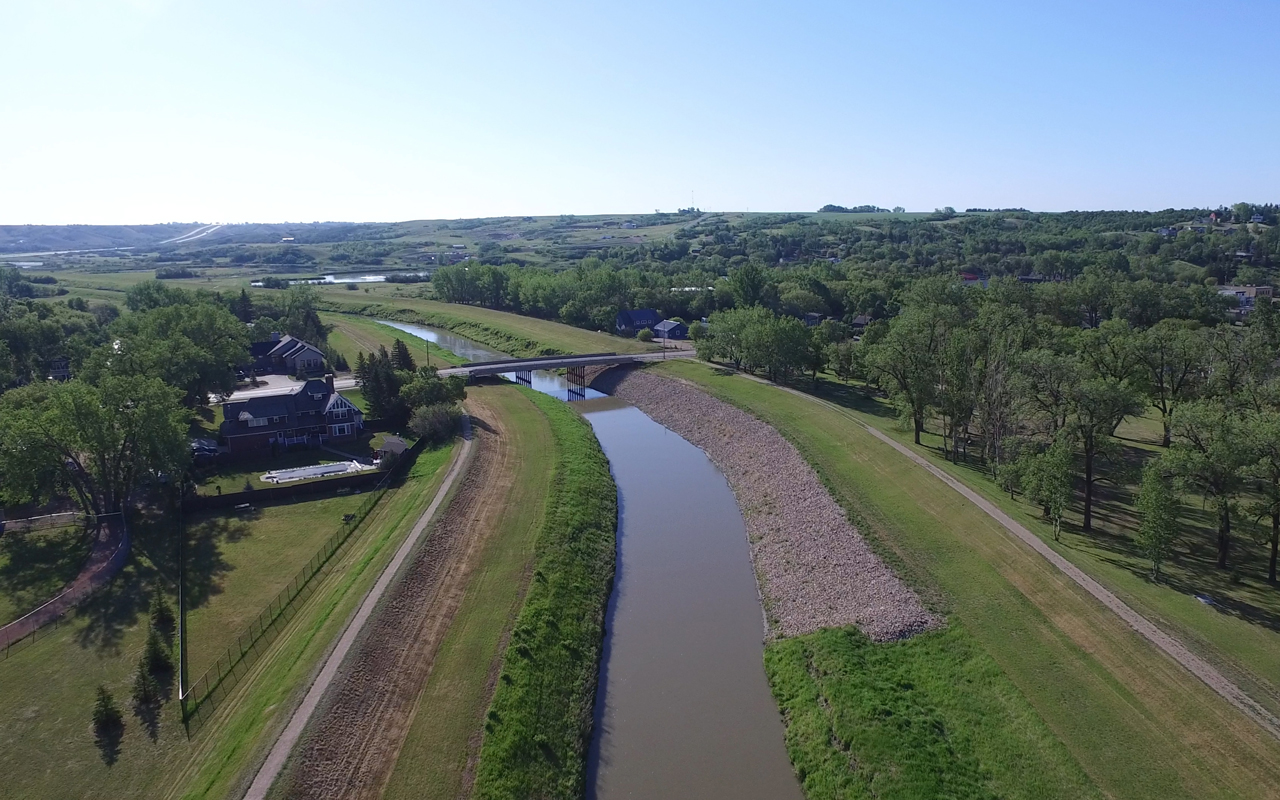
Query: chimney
pixel 328 379
pixel 275 336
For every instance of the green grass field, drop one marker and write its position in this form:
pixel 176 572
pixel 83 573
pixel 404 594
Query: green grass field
pixel 451 709
pixel 508 333
pixel 35 565
pixel 932 716
pixel 352 335
pixel 1139 725
pixel 48 748
pixel 539 725
pixel 1240 632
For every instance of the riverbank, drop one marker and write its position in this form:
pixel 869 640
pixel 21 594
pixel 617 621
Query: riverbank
pixel 539 725
pixel 815 569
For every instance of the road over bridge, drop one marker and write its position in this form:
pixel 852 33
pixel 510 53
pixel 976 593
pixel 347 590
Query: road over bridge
pixel 507 365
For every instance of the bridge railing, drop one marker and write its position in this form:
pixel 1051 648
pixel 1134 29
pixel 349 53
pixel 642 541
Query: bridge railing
pixel 514 361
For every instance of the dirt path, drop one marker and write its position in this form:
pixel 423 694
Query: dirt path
pixel 1193 663
pixel 351 745
pixel 288 738
pixel 110 551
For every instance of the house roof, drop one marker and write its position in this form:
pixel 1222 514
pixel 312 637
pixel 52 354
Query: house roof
pixel 639 317
pixel 311 396
pixel 393 444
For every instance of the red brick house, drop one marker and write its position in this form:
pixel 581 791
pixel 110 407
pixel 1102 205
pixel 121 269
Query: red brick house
pixel 311 414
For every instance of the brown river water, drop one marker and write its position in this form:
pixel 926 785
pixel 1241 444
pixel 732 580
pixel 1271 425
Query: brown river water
pixel 683 708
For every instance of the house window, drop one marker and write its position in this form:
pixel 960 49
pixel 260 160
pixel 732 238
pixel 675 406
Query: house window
pixel 341 430
pixel 339 413
pixel 257 422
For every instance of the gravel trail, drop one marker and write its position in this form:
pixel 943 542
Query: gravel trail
pixel 815 569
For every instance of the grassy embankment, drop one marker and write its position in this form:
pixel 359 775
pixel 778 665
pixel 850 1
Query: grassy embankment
pixel 1138 724
pixel 49 749
pixel 507 333
pixel 450 711
pixel 1239 632
pixel 35 565
pixel 538 727
pixel 352 335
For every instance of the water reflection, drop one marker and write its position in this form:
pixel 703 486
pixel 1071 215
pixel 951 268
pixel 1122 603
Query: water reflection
pixel 542 381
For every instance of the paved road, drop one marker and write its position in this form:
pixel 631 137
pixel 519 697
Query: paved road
pixel 297 723
pixel 1175 649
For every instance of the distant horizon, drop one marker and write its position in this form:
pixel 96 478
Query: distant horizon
pixel 957 209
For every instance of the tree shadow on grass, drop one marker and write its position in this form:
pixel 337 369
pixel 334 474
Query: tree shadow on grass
pixel 107 738
pixel 34 566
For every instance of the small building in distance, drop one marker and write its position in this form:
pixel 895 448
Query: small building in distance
pixel 1246 296
pixel 1256 218
pixel 670 329
pixel 285 355
pixel 628 323
pixel 813 319
pixel 860 322
pixel 59 369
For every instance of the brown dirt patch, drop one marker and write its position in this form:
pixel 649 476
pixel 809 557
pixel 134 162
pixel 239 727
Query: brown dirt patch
pixel 352 743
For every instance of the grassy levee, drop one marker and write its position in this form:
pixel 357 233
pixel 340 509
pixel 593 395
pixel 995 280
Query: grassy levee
pixel 353 334
pixel 539 725
pixel 47 689
pixel 1239 633
pixel 932 716
pixel 508 333
pixel 450 711
pixel 1137 723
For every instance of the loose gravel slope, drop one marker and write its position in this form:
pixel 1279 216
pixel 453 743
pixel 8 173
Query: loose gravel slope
pixel 815 570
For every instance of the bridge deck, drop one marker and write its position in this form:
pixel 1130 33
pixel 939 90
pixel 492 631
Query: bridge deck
pixel 559 362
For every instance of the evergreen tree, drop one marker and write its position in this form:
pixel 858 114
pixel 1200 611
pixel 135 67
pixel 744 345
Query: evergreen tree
pixel 401 358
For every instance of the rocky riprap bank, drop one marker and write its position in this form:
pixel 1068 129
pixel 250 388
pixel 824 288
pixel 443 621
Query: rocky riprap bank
pixel 816 570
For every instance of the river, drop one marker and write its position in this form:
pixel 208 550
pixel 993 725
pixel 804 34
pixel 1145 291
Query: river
pixel 683 708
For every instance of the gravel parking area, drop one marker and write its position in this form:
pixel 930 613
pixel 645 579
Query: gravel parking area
pixel 816 571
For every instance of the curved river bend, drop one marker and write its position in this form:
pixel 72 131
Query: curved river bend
pixel 683 708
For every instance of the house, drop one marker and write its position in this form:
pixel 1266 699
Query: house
pixel 670 329
pixel 1256 218
pixel 1168 233
pixel 1246 296
pixel 391 446
pixel 627 323
pixel 285 355
pixel 311 414
pixel 813 319
pixel 60 369
pixel 860 322
pixel 630 226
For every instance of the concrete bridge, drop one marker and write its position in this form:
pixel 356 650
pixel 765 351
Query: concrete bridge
pixel 521 365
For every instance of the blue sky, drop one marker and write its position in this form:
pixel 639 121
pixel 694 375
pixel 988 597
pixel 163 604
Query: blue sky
pixel 133 111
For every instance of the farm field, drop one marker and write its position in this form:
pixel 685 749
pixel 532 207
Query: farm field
pixel 49 749
pixel 441 743
pixel 1138 724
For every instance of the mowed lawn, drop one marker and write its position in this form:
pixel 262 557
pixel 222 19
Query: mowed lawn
pixel 1137 723
pixel 46 689
pixel 1239 632
pixel 35 565
pixel 451 709
pixel 352 335
pixel 472 320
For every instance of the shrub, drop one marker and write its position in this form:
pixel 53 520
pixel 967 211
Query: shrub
pixel 161 614
pixel 146 691
pixel 435 423
pixel 106 714
pixel 156 656
pixel 645 335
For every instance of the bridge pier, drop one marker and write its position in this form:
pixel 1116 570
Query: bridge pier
pixel 577 383
pixel 524 378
